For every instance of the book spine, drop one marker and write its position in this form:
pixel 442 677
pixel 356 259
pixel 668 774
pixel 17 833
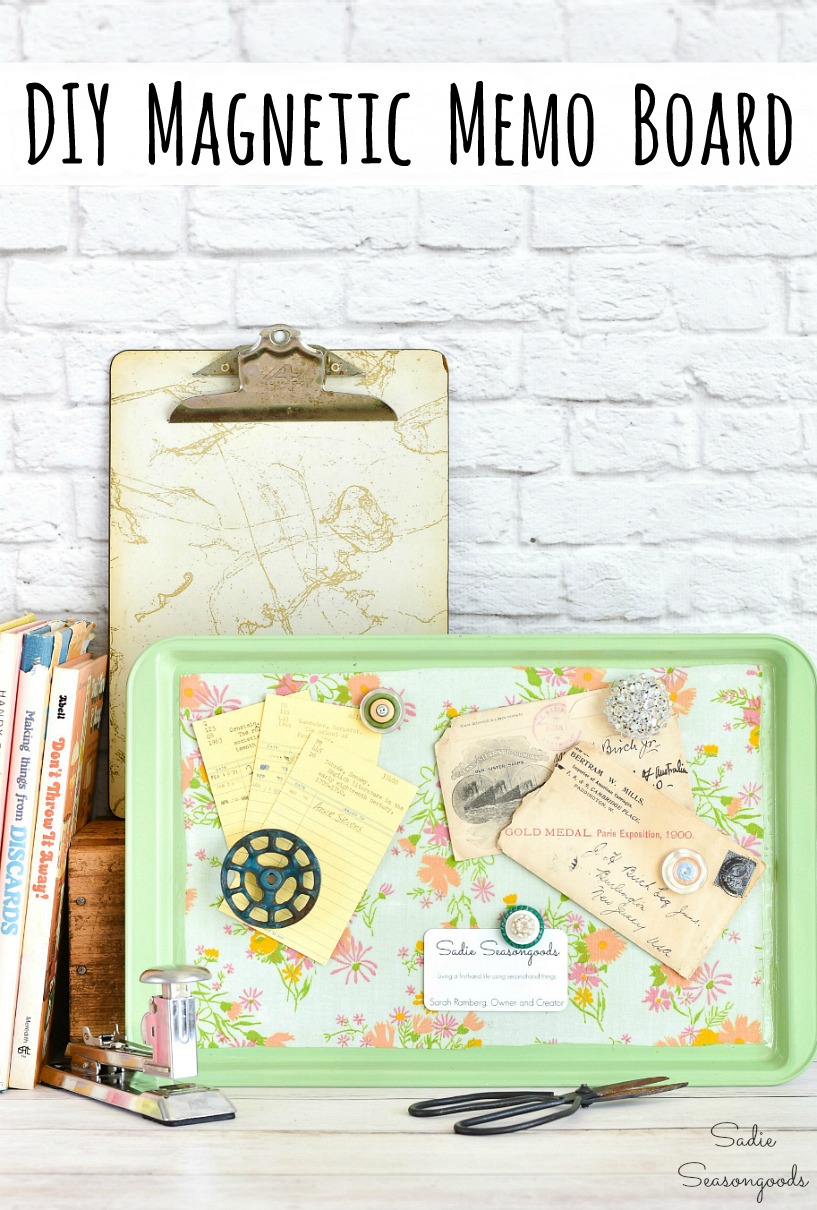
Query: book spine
pixel 90 754
pixel 85 773
pixel 18 841
pixel 52 833
pixel 10 648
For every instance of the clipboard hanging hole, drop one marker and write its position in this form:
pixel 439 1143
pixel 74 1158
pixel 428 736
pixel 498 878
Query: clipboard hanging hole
pixel 280 336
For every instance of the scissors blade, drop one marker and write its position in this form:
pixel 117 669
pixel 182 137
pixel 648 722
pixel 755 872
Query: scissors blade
pixel 649 1092
pixel 629 1089
pixel 622 1085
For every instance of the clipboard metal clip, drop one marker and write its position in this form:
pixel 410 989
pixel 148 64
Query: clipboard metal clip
pixel 281 378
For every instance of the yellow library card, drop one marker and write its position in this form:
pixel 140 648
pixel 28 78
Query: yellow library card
pixel 287 724
pixel 228 742
pixel 347 810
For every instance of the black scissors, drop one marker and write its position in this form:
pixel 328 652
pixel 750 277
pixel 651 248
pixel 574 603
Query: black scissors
pixel 516 1104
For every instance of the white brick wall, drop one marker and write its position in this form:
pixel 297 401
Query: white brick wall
pixel 634 372
pixel 299 220
pixel 154 31
pixel 8 33
pixel 113 220
pixel 622 32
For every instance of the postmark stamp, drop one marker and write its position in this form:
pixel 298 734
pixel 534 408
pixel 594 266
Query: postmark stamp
pixel 554 728
pixel 735 874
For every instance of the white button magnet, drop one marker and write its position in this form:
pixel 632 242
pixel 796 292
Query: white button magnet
pixel 684 871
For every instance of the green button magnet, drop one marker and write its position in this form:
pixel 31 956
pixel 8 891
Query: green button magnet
pixel 381 710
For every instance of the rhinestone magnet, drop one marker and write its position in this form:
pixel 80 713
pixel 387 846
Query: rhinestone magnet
pixel 638 706
pixel 522 927
pixel 684 871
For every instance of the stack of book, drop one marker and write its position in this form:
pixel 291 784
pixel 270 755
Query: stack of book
pixel 51 690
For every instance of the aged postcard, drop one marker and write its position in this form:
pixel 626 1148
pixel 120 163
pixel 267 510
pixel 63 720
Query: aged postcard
pixel 489 760
pixel 600 834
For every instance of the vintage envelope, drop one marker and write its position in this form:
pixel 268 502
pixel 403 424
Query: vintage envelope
pixel 287 724
pixel 347 811
pixel 599 834
pixel 228 742
pixel 488 761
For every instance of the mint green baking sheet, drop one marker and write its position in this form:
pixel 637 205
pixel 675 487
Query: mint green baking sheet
pixel 746 706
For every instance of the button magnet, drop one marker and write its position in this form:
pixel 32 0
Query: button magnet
pixel 638 706
pixel 522 926
pixel 381 710
pixel 684 871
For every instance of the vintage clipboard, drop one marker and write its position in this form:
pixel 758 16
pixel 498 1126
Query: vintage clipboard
pixel 278 488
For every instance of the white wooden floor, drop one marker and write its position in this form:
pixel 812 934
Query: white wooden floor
pixel 358 1148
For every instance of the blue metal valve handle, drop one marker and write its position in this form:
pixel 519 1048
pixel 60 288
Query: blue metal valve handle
pixel 245 859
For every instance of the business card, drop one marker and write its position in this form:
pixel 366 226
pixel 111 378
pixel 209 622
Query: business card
pixel 477 969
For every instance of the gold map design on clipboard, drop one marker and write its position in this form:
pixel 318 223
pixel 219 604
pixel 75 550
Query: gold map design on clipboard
pixel 265 527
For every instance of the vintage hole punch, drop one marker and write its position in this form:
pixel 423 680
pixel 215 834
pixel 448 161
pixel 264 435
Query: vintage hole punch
pixel 141 1079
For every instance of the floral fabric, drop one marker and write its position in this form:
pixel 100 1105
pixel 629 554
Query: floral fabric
pixel 370 993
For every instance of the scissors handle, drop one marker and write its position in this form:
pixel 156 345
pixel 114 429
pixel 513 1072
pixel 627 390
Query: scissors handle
pixel 438 1107
pixel 482 1123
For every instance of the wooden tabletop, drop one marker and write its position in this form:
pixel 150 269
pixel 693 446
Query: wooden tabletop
pixel 358 1148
